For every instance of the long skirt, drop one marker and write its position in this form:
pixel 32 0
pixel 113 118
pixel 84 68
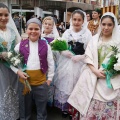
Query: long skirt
pixel 9 105
pixel 60 100
pixel 100 111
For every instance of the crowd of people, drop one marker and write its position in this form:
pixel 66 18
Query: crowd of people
pixel 72 80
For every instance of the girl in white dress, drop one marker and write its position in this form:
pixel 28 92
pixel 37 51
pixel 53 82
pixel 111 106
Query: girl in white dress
pixel 100 102
pixel 49 30
pixel 69 64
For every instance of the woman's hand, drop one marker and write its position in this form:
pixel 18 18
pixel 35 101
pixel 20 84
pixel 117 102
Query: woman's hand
pixel 100 74
pixel 67 53
pixel 22 75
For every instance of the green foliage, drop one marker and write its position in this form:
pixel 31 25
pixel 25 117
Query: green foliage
pixel 111 62
pixel 59 45
pixel 115 49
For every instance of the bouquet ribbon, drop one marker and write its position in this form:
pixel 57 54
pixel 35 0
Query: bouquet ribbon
pixel 108 76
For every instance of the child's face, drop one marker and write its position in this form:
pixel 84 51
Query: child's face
pixel 4 17
pixel 33 31
pixel 48 26
pixel 77 22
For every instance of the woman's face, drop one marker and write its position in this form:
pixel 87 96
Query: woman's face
pixel 107 26
pixel 95 15
pixel 4 17
pixel 77 22
pixel 48 26
pixel 33 31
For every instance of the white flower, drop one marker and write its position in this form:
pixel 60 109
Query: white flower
pixel 12 59
pixel 117 66
pixel 118 55
pixel 9 54
pixel 17 61
pixel 118 61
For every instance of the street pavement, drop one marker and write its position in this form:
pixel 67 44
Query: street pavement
pixel 53 114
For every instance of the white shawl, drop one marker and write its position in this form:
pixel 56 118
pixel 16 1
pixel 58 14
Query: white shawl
pixel 88 86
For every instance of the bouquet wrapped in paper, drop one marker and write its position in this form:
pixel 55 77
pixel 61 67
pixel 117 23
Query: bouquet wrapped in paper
pixel 112 67
pixel 59 45
pixel 16 60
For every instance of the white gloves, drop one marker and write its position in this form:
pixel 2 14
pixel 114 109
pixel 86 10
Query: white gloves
pixel 67 53
pixel 77 58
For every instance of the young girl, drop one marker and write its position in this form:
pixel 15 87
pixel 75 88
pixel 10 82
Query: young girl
pixel 91 95
pixel 9 105
pixel 49 30
pixel 69 63
pixel 39 60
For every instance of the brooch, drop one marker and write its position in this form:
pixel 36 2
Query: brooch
pixel 4 44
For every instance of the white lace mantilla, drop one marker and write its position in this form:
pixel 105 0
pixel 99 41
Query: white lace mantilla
pixel 9 106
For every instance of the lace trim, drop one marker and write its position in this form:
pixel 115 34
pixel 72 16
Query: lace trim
pixel 9 106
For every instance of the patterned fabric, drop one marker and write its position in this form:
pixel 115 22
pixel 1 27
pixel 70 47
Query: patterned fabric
pixel 93 28
pixel 74 113
pixel 60 100
pixel 62 106
pixel 8 110
pixel 103 111
pixel 99 111
pixel 9 105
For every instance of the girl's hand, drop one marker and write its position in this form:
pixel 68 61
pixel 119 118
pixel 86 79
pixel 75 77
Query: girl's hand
pixel 100 74
pixel 22 75
pixel 67 53
pixel 77 58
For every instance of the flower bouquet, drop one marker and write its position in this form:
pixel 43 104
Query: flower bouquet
pixel 112 67
pixel 16 60
pixel 60 45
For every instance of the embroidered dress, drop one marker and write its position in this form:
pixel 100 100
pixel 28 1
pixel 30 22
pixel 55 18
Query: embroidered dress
pixel 99 110
pixel 9 106
pixel 93 27
pixel 67 71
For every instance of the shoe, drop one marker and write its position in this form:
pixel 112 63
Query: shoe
pixel 64 114
pixel 70 117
